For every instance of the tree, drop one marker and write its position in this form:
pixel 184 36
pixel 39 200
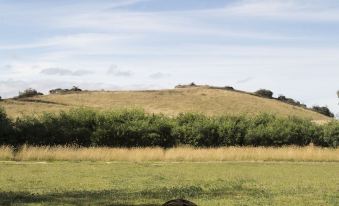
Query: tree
pixel 29 93
pixel 60 91
pixel 264 93
pixel 323 110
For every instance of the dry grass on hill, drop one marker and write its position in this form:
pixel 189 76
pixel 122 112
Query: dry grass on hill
pixel 170 102
pixel 186 154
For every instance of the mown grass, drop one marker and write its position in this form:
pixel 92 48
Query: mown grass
pixel 185 154
pixel 169 102
pixel 153 183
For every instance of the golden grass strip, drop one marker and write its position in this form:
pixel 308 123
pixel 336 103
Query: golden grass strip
pixel 6 153
pixel 188 154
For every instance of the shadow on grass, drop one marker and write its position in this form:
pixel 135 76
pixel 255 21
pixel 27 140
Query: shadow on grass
pixel 148 197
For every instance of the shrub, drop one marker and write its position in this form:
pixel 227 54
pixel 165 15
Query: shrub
pixel 29 93
pixel 229 88
pixel 133 128
pixel 264 93
pixel 60 91
pixel 323 110
pixel 56 91
pixel 269 130
pixel 291 101
pixel 73 127
pixel 6 129
pixel 330 136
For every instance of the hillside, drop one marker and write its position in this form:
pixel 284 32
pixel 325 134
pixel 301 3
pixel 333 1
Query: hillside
pixel 210 101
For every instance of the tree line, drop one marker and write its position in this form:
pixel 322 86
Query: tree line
pixel 135 128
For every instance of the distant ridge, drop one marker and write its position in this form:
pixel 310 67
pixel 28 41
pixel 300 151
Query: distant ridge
pixel 204 99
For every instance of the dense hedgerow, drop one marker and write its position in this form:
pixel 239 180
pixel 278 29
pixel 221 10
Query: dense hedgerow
pixel 135 128
pixel 6 129
pixel 330 137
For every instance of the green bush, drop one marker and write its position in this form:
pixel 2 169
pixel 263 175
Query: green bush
pixel 291 101
pixel 330 137
pixel 269 130
pixel 73 127
pixel 323 110
pixel 29 93
pixel 229 88
pixel 6 129
pixel 63 91
pixel 264 93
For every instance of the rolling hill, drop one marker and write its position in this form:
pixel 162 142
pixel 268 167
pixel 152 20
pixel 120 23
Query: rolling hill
pixel 203 99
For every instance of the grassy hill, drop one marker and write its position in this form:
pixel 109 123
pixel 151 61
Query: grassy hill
pixel 210 101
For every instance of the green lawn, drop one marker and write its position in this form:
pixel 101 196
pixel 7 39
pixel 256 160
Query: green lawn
pixel 228 183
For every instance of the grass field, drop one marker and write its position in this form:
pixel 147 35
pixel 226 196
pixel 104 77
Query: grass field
pixel 170 102
pixel 185 154
pixel 152 183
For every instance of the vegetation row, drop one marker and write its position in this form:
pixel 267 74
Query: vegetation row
pixel 135 128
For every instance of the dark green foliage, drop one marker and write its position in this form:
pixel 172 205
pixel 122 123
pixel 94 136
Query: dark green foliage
pixel 62 91
pixel 323 110
pixel 199 130
pixel 291 101
pixel 6 129
pixel 135 128
pixel 229 88
pixel 74 127
pixel 29 93
pixel 268 130
pixel 330 137
pixel 264 93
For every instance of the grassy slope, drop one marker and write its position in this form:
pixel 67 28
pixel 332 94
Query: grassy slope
pixel 99 183
pixel 171 102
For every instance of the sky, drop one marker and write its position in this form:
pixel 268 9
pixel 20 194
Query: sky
pixel 288 46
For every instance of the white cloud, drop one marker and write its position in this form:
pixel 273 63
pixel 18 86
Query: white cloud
pixel 65 72
pixel 113 70
pixel 311 10
pixel 77 41
pixel 143 24
pixel 159 75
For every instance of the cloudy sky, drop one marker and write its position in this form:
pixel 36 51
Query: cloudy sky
pixel 288 46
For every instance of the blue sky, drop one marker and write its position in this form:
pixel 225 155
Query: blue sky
pixel 288 46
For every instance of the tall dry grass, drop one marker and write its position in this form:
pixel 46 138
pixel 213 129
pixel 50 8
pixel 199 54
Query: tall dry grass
pixel 6 153
pixel 188 154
